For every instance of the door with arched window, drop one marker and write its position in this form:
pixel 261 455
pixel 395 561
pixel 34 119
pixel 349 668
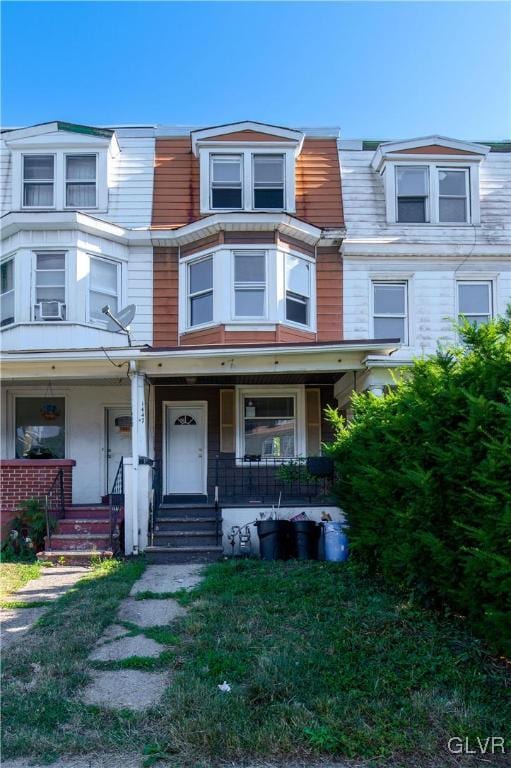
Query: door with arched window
pixel 185 448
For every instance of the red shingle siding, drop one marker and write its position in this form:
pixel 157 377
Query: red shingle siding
pixel 165 297
pixel 329 294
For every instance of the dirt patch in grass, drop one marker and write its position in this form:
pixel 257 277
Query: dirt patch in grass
pixel 322 664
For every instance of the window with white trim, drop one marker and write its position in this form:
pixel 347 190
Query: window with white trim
pixel 390 311
pixel 38 181
pixel 297 289
pixel 81 181
pixel 200 291
pixel 249 284
pixel 7 292
pixel 226 182
pixel 268 426
pixel 475 301
pixel 50 286
pixel 268 173
pixel 103 287
pixel 453 186
pixel 412 194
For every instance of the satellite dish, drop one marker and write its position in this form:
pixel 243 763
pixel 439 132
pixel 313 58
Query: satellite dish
pixel 121 321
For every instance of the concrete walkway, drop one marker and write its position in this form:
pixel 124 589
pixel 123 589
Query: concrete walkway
pixel 131 688
pixel 50 585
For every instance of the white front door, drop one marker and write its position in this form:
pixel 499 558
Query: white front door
pixel 186 448
pixel 118 441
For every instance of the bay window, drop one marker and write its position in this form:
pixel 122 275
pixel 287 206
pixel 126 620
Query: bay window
pixel 412 194
pixel 297 290
pixel 226 182
pixel 475 301
pixel 268 181
pixel 103 287
pixel 81 181
pixel 38 181
pixel 250 284
pixel 390 311
pixel 200 291
pixel 50 286
pixel 268 426
pixel 7 292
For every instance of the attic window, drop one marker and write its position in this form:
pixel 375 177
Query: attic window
pixel 38 181
pixel 412 194
pixel 268 180
pixel 226 187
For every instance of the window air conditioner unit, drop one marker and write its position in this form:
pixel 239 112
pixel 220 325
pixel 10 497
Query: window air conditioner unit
pixel 51 310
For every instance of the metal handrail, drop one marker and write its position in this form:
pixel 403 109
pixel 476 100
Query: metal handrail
pixel 54 504
pixel 116 501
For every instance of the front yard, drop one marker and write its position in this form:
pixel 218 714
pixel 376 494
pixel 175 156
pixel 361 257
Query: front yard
pixel 13 576
pixel 321 661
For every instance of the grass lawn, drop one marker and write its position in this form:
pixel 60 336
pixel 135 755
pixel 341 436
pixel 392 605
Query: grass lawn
pixel 16 575
pixel 322 662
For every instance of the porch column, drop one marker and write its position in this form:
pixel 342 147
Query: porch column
pixel 138 448
pixel 376 389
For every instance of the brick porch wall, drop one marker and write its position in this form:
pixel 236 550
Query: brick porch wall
pixel 21 479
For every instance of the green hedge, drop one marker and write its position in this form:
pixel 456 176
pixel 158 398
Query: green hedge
pixel 425 480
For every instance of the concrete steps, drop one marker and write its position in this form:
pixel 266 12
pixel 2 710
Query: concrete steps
pixel 186 533
pixel 82 533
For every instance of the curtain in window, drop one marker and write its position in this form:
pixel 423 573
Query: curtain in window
pixel 38 195
pixel 81 168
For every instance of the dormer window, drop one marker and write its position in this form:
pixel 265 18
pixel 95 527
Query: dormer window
pixel 81 181
pixel 268 181
pixel 226 182
pixel 38 181
pixel 412 194
pixel 453 194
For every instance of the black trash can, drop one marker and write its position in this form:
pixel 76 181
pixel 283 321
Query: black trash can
pixel 305 539
pixel 274 539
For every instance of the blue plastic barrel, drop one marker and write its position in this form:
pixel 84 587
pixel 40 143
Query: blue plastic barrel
pixel 335 543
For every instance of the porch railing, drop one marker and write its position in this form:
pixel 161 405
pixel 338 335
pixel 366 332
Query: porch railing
pixel 116 500
pixel 54 505
pixel 156 497
pixel 265 480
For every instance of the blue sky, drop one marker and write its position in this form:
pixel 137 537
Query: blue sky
pixel 377 70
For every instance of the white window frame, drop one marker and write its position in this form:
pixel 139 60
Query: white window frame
pixel 308 325
pixel 247 153
pixel 50 251
pixel 233 156
pixel 12 260
pixel 253 181
pixel 427 196
pixel 389 175
pixel 466 197
pixel 24 181
pixel 248 286
pixel 405 316
pixel 118 295
pixel 189 295
pixel 297 393
pixel 73 181
pixel 491 293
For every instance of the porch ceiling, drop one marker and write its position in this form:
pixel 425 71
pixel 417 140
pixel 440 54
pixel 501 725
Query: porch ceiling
pixel 255 379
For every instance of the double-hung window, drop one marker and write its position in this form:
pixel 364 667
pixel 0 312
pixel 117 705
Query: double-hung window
pixel 475 301
pixel 412 192
pixel 7 292
pixel 81 181
pixel 226 182
pixel 268 181
pixel 38 181
pixel 200 291
pixel 390 311
pixel 50 286
pixel 297 290
pixel 269 426
pixel 249 284
pixel 103 287
pixel 453 195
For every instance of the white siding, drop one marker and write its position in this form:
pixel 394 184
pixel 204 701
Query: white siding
pixel 140 292
pixel 365 215
pixel 431 294
pixel 5 179
pixel 130 194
